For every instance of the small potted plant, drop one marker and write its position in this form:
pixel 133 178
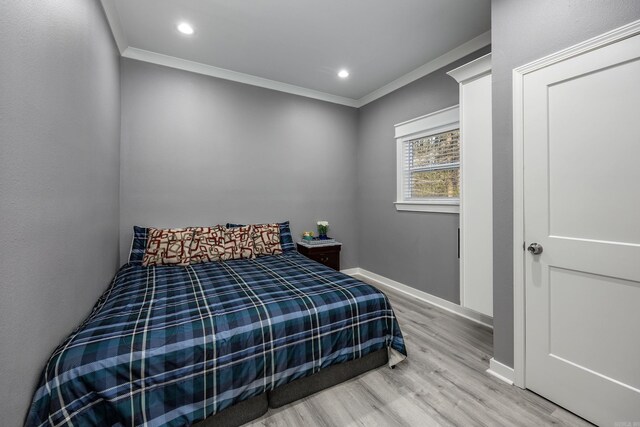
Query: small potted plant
pixel 323 226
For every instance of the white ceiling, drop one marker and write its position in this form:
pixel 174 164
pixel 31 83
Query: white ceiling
pixel 302 43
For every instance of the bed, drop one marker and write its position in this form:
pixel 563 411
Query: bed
pixel 173 345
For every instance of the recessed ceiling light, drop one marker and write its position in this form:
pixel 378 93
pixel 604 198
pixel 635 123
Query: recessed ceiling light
pixel 343 74
pixel 185 28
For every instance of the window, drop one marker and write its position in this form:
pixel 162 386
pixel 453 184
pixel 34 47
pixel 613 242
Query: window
pixel 428 151
pixel 432 167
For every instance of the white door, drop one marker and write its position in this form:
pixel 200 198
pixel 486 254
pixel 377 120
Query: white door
pixel 581 130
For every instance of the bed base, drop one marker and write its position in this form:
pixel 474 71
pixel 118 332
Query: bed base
pixel 238 414
pixel 256 407
pixel 326 378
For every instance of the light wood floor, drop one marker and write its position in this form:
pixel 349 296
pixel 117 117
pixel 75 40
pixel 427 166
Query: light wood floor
pixel 442 383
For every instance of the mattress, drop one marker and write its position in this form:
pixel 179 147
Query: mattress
pixel 173 345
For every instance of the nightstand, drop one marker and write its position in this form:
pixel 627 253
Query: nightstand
pixel 328 255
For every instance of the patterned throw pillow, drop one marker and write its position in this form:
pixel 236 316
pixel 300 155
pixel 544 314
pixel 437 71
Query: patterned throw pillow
pixel 286 240
pixel 238 243
pixel 266 238
pixel 168 246
pixel 207 244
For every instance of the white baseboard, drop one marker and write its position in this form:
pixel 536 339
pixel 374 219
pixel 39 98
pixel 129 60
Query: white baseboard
pixel 501 371
pixel 421 295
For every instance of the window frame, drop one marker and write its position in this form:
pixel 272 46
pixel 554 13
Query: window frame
pixel 444 120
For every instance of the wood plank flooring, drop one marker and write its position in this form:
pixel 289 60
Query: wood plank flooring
pixel 442 383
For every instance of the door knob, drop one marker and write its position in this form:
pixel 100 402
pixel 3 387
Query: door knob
pixel 535 248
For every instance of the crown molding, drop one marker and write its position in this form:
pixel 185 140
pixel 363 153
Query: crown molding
pixel 473 70
pixel 127 51
pixel 629 30
pixel 209 70
pixel 113 19
pixel 453 55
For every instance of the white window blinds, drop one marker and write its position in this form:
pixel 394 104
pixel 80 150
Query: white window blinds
pixel 431 167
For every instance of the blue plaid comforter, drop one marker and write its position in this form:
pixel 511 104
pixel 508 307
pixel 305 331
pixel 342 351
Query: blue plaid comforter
pixel 173 345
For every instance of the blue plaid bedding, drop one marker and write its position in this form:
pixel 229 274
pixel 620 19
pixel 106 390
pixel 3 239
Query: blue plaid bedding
pixel 173 345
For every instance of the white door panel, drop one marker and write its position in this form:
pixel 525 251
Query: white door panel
pixel 585 131
pixel 477 211
pixel 476 189
pixel 578 323
pixel 582 204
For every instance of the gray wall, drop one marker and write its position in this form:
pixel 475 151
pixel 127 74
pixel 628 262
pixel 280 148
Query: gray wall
pixel 523 31
pixel 59 155
pixel 197 150
pixel 415 248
